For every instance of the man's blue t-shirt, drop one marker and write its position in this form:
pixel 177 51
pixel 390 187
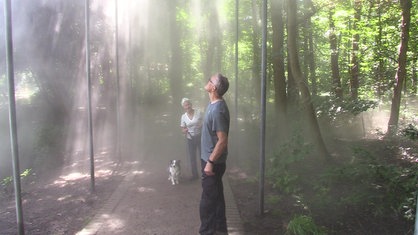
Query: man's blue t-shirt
pixel 216 119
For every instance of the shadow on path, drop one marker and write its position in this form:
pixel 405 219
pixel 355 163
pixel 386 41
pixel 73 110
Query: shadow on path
pixel 146 203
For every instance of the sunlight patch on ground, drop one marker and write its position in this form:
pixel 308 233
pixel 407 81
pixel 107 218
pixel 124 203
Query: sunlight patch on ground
pixel 145 190
pixel 133 163
pixel 64 180
pixel 111 224
pixel 64 198
pixel 103 173
pixel 74 176
pixel 100 160
pixel 138 172
pixel 407 155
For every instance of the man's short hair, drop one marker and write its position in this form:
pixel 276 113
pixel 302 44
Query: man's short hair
pixel 222 84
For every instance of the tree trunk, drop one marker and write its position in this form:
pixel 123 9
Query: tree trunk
pixel 310 55
pixel 355 65
pixel 380 71
pixel 335 69
pixel 292 88
pixel 401 72
pixel 278 65
pixel 313 125
pixel 176 62
pixel 256 70
pixel 380 64
pixel 414 76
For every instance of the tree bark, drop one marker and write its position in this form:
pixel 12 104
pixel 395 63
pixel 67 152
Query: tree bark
pixel 355 65
pixel 313 125
pixel 335 69
pixel 309 54
pixel 380 63
pixel 176 63
pixel 414 77
pixel 256 69
pixel 278 54
pixel 401 72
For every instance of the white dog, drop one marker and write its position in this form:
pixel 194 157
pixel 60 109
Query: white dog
pixel 174 172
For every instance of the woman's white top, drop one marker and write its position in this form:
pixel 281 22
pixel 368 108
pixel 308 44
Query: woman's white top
pixel 194 125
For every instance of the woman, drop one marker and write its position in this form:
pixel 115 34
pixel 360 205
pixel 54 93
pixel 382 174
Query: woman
pixel 191 125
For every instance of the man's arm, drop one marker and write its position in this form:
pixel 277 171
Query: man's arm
pixel 220 147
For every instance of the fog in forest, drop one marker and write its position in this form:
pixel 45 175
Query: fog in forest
pixel 51 87
pixel 146 55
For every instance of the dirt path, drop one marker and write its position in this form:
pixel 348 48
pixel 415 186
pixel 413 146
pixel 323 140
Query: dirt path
pixel 134 197
pixel 146 203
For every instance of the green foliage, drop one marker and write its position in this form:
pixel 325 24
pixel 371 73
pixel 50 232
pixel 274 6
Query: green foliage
pixel 281 171
pixel 369 182
pixel 273 199
pixel 410 132
pixel 8 180
pixel 332 107
pixel 304 225
pixel 25 173
pixel 6 183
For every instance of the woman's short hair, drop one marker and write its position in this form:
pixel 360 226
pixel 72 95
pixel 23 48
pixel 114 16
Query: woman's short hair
pixel 184 100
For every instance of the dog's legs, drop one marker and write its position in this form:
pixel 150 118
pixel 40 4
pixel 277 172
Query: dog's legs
pixel 177 178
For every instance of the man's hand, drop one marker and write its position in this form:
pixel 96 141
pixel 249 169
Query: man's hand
pixel 209 169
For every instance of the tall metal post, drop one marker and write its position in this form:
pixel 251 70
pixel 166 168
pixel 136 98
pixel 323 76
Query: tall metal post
pixel 89 109
pixel 236 61
pixel 416 217
pixel 118 148
pixel 263 107
pixel 12 115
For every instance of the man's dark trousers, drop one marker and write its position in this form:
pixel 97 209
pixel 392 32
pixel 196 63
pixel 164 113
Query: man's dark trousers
pixel 212 203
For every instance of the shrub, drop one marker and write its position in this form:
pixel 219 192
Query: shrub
pixel 304 225
pixel 410 132
pixel 281 171
pixel 334 107
pixel 6 184
pixel 381 187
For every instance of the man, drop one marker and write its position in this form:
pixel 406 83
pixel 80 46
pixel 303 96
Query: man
pixel 214 151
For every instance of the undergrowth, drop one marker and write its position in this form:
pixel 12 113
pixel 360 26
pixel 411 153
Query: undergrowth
pixel 366 183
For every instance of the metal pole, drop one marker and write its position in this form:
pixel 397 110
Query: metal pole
pixel 118 148
pixel 263 107
pixel 236 126
pixel 12 115
pixel 89 109
pixel 236 61
pixel 416 217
